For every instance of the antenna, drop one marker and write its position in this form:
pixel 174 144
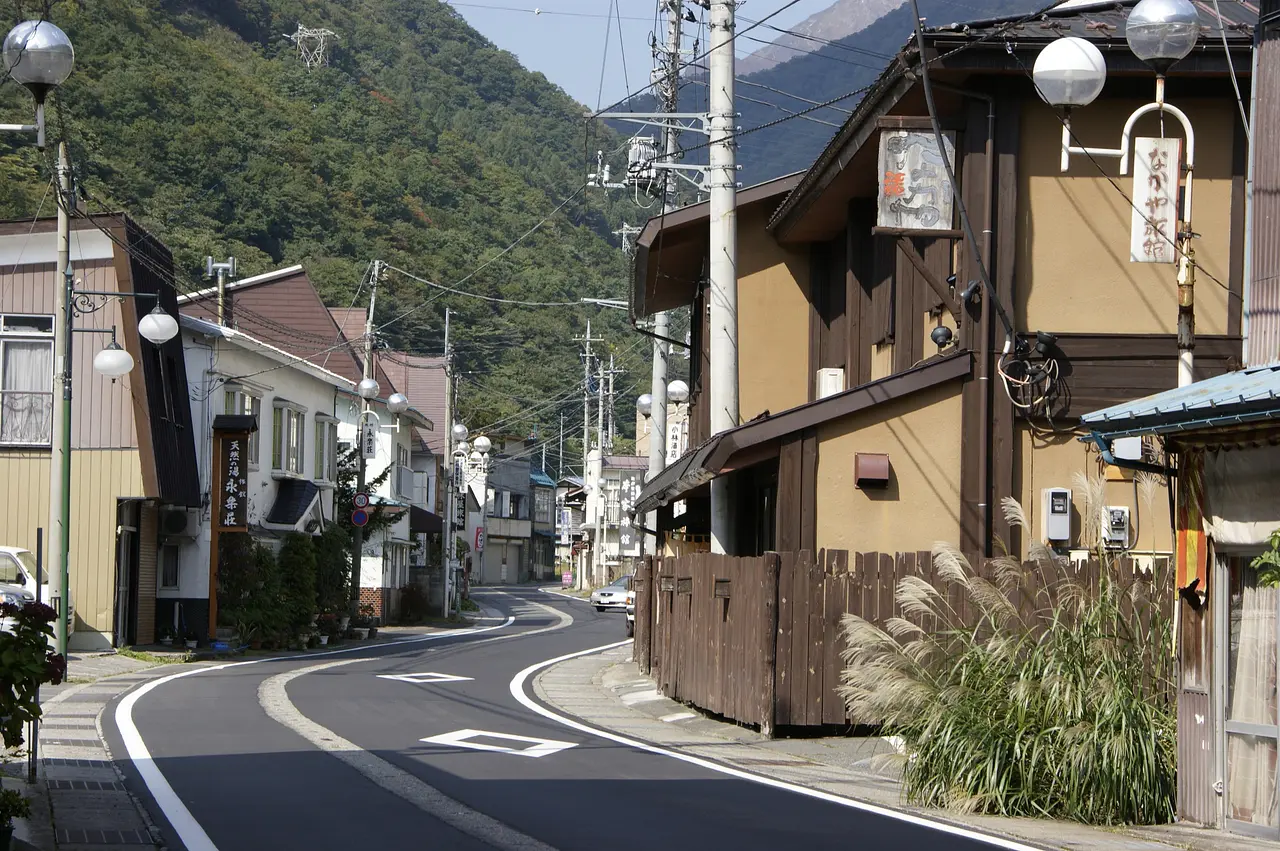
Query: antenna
pixel 312 45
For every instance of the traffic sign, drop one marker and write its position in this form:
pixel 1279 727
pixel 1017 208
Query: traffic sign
pixel 359 517
pixel 360 500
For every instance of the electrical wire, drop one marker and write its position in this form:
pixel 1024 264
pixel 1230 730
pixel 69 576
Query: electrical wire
pixel 823 41
pixel 1231 67
pixel 622 48
pixel 536 11
pixel 604 60
pixel 779 108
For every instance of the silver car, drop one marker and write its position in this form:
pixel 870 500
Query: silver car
pixel 612 596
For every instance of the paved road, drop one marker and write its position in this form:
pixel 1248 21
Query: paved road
pixel 327 752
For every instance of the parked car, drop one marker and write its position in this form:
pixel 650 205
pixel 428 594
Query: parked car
pixel 18 582
pixel 631 614
pixel 612 596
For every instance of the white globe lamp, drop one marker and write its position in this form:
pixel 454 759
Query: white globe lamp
pixel 113 361
pixel 678 391
pixel 460 433
pixel 38 55
pixel 483 444
pixel 367 388
pixel 645 405
pixel 1160 32
pixel 397 403
pixel 1070 72
pixel 158 326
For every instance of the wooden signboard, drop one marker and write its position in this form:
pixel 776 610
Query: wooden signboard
pixel 1154 228
pixel 915 194
pixel 229 491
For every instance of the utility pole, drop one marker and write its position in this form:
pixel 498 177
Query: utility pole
pixel 448 470
pixel 723 249
pixel 597 561
pixel 586 419
pixel 612 403
pixel 560 452
pixel 60 480
pixel 358 537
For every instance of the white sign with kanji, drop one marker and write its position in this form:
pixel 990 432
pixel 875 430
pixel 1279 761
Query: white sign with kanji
pixel 1153 232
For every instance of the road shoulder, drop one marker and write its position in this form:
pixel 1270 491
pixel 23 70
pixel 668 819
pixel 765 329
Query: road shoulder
pixel 606 690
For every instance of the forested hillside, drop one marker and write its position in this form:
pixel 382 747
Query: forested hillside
pixel 420 143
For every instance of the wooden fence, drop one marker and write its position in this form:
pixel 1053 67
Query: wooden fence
pixel 758 640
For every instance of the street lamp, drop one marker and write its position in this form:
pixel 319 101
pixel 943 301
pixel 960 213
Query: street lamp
pixel 38 55
pixel 678 391
pixel 1071 72
pixel 644 405
pixel 113 361
pixel 368 389
pixel 397 403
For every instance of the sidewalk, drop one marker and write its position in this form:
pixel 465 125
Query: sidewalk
pixel 606 690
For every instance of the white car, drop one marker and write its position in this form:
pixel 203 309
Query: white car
pixel 613 596
pixel 631 614
pixel 18 582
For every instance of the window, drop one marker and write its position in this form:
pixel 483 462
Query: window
pixel 9 572
pixel 286 440
pixel 326 460
pixel 519 507
pixel 542 505
pixel 239 401
pixel 169 566
pixel 26 380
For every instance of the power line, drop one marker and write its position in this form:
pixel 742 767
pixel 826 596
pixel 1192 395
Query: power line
pixel 781 109
pixel 538 11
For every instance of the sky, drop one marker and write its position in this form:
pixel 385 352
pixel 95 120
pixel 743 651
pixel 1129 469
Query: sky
pixel 567 43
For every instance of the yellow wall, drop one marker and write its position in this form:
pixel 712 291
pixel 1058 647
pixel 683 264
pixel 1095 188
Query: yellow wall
pixel 1053 461
pixel 1073 269
pixel 921 434
pixel 98 478
pixel 773 321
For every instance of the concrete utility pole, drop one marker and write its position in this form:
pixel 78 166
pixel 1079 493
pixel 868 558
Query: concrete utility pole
pixel 358 537
pixel 586 420
pixel 60 480
pixel 612 403
pixel 597 560
pixel 724 246
pixel 447 547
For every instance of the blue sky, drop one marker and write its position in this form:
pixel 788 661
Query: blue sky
pixel 566 42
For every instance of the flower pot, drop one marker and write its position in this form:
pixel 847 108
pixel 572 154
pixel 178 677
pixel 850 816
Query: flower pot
pixel 344 622
pixel 191 644
pixel 324 639
pixel 166 642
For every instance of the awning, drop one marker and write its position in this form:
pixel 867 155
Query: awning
pixel 423 521
pixel 759 439
pixel 296 509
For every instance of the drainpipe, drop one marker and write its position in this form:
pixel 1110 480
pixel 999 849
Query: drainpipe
pixel 1247 274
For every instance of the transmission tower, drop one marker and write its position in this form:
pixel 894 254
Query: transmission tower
pixel 312 45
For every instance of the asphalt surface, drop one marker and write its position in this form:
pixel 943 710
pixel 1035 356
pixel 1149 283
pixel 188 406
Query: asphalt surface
pixel 352 771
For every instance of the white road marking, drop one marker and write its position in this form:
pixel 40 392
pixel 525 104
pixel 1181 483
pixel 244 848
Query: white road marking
pixel 518 692
pixel 274 697
pixel 185 824
pixel 677 716
pixel 424 678
pixel 464 739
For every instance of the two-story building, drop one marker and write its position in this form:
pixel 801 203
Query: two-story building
pixel 858 431
pixel 132 452
pixel 292 458
pixel 613 483
pixel 507 539
pixel 542 561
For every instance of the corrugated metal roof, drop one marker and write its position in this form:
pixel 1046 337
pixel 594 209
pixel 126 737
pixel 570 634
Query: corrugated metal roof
pixel 541 479
pixel 1104 22
pixel 1246 395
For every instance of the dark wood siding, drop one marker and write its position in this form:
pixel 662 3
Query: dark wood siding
pixel 829 323
pixel 797 492
pixel 699 370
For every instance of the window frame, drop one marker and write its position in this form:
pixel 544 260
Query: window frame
pixel 166 551
pixel 28 336
pixel 240 394
pixel 288 421
pixel 325 452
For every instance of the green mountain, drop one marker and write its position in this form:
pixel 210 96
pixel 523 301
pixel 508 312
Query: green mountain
pixel 419 143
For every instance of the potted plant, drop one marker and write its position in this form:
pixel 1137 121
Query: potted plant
pixel 13 804
pixel 166 636
pixel 192 639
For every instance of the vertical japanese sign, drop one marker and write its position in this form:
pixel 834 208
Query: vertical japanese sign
pixel 914 193
pixel 675 439
pixel 628 489
pixel 1154 231
pixel 369 441
pixel 233 491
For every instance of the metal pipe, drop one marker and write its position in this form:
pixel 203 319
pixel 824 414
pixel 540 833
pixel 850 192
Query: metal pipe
pixel 1247 283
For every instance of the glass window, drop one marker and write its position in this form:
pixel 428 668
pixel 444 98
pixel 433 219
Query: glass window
pixel 542 505
pixel 326 451
pixel 9 572
pixel 287 440
pixel 240 402
pixel 26 380
pixel 169 566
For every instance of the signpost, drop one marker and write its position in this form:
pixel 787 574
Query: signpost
pixel 230 489
pixel 369 441
pixel 359 517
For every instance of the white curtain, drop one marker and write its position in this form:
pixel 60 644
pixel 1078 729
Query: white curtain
pixel 1251 761
pixel 1243 502
pixel 26 392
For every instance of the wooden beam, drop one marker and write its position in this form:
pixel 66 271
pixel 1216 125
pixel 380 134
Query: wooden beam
pixel 936 234
pixel 943 292
pixel 917 122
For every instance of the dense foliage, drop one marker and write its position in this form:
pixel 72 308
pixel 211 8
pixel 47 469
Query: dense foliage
pixel 420 143
pixel 1066 712
pixel 26 662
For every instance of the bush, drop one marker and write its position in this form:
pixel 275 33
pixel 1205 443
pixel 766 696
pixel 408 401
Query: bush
pixel 1067 714
pixel 250 595
pixel 413 604
pixel 297 567
pixel 26 662
pixel 333 568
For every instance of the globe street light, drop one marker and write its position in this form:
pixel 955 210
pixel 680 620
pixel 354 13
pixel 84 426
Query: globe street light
pixel 482 445
pixel 678 391
pixel 158 326
pixel 1160 32
pixel 1070 72
pixel 397 403
pixel 368 389
pixel 113 361
pixel 460 432
pixel 645 405
pixel 38 55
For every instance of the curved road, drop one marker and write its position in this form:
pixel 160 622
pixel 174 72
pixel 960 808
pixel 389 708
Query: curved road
pixel 327 751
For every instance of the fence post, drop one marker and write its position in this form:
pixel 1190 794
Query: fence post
pixel 769 643
pixel 641 649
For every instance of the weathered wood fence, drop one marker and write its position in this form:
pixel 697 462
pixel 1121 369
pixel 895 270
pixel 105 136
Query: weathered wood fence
pixel 758 640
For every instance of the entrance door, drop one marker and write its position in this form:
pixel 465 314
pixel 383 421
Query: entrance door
pixel 1250 728
pixel 124 626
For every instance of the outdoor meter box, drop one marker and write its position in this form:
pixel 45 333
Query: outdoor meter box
pixel 1117 531
pixel 1055 514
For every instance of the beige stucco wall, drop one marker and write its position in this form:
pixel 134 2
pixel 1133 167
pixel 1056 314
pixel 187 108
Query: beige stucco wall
pixel 1053 461
pixel 98 479
pixel 1073 269
pixel 921 434
pixel 773 321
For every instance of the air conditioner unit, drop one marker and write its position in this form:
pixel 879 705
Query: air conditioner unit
pixel 830 381
pixel 179 523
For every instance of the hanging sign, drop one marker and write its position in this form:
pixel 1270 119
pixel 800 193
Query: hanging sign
pixel 233 497
pixel 1153 232
pixel 369 441
pixel 479 539
pixel 914 192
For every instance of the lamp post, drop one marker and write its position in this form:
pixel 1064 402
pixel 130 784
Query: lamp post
pixel 477 464
pixel 1070 72
pixel 677 392
pixel 457 454
pixel 38 55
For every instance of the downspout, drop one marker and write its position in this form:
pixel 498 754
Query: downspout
pixel 1247 273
